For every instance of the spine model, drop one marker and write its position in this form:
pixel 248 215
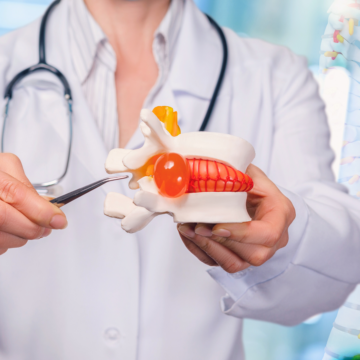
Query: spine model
pixel 340 47
pixel 213 176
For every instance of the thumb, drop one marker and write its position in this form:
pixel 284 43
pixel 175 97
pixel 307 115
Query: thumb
pixel 263 186
pixel 253 171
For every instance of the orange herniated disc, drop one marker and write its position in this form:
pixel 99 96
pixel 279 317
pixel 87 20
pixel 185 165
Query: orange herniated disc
pixel 172 175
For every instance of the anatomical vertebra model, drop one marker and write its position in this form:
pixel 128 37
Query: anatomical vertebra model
pixel 341 47
pixel 194 177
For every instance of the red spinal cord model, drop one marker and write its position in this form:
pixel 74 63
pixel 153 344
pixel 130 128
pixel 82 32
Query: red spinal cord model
pixel 213 176
pixel 176 175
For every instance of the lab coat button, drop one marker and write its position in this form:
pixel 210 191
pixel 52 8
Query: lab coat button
pixel 112 334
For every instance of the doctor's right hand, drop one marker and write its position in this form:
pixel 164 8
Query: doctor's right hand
pixel 24 215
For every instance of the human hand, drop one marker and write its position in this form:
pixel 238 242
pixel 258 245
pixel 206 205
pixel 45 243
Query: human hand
pixel 24 215
pixel 235 247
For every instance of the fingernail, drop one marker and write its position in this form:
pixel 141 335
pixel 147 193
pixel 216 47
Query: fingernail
pixel 221 233
pixel 41 234
pixel 186 231
pixel 203 231
pixel 46 233
pixel 58 222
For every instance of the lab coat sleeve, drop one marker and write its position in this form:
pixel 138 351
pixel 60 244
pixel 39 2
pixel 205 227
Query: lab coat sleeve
pixel 320 266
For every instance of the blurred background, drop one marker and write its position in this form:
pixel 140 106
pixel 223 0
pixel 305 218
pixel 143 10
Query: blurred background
pixel 296 24
pixel 299 26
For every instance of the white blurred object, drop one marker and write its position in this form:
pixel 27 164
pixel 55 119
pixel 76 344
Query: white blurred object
pixel 334 90
pixel 346 8
pixel 313 320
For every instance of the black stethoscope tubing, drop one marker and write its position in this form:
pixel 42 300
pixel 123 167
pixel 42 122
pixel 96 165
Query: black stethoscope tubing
pixel 221 76
pixel 44 66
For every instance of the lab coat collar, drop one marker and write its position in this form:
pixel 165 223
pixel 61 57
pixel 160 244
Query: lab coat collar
pixel 198 55
pixel 169 29
pixel 87 36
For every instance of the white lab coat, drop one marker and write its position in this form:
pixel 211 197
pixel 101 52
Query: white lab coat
pixel 95 292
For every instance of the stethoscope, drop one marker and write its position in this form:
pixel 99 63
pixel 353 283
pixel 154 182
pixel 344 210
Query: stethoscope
pixel 44 66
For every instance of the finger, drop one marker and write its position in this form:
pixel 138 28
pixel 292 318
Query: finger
pixel 188 230
pixel 204 229
pixel 253 171
pixel 195 250
pixel 270 223
pixel 15 223
pixel 254 232
pixel 227 259
pixel 29 203
pixel 11 164
pixel 263 186
pixel 8 241
pixel 222 256
pixel 3 251
pixel 255 255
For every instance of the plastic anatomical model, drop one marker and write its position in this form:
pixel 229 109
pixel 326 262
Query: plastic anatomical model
pixel 194 177
pixel 340 47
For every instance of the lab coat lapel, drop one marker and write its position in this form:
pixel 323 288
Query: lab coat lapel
pixel 88 145
pixel 194 67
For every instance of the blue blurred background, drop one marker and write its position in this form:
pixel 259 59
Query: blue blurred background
pixel 293 23
pixel 296 24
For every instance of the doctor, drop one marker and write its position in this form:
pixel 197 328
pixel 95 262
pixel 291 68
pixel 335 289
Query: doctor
pixel 95 292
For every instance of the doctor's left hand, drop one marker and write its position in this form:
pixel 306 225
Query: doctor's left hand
pixel 235 247
pixel 24 215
